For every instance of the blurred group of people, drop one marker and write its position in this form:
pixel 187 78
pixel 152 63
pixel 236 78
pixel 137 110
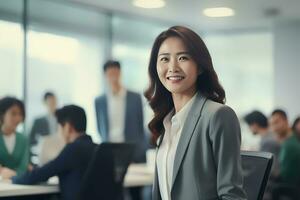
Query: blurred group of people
pixel 68 164
pixel 283 141
pixel 60 134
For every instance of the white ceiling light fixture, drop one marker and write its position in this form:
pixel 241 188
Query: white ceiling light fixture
pixel 149 3
pixel 219 12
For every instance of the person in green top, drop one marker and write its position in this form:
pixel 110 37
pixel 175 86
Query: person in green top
pixel 289 157
pixel 14 147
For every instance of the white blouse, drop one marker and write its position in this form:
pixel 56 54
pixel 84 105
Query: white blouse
pixel 10 141
pixel 173 125
pixel 116 114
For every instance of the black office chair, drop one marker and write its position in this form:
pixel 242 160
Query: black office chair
pixel 104 177
pixel 256 170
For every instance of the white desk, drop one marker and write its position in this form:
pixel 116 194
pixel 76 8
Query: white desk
pixel 8 189
pixel 137 175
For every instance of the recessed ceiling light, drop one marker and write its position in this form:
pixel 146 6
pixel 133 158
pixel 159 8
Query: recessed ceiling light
pixel 218 12
pixel 149 3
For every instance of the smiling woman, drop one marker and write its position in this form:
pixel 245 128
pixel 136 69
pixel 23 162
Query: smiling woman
pixel 198 138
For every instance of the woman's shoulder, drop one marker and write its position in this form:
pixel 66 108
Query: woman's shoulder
pixel 212 108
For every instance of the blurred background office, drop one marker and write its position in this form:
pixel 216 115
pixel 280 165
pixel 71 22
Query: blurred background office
pixel 61 46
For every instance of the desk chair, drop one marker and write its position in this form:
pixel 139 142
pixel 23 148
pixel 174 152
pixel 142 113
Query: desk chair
pixel 105 174
pixel 256 170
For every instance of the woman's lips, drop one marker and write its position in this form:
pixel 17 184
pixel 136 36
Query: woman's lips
pixel 175 78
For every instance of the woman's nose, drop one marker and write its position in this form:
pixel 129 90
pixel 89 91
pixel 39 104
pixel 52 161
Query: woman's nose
pixel 173 66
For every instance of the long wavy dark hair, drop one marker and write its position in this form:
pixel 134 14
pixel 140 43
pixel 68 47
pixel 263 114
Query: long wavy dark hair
pixel 159 98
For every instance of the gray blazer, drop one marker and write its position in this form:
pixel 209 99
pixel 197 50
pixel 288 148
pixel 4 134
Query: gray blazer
pixel 207 164
pixel 134 122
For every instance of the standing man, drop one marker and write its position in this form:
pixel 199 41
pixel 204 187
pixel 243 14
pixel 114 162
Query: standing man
pixel 44 125
pixel 119 115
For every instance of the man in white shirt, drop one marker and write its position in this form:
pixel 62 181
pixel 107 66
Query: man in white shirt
pixel 119 115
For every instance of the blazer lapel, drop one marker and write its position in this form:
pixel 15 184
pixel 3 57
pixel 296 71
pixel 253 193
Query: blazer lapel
pixel 187 132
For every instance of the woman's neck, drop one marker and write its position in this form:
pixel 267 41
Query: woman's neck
pixel 7 130
pixel 181 99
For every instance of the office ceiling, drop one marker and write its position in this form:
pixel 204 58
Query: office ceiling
pixel 250 14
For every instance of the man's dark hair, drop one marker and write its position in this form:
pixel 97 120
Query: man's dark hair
pixel 111 63
pixel 74 115
pixel 47 95
pixel 280 112
pixel 256 117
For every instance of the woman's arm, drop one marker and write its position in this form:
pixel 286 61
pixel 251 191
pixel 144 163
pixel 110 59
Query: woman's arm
pixel 226 139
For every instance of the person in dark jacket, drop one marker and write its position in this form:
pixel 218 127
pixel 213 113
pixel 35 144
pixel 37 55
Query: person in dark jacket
pixel 71 164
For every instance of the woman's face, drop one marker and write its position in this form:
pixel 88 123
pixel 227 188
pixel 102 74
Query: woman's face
pixel 176 69
pixel 12 117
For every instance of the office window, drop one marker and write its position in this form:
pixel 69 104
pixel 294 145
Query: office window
pixel 66 47
pixel 11 49
pixel 131 44
pixel 244 64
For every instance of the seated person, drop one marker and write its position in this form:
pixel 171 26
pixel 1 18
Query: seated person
pixel 288 183
pixel 14 148
pixel 71 164
pixel 258 124
pixel 289 157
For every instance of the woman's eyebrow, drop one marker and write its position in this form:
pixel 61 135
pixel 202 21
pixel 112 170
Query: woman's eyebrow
pixel 183 52
pixel 178 53
pixel 164 54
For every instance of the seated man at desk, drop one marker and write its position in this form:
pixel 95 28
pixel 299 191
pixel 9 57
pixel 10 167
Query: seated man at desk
pixel 72 162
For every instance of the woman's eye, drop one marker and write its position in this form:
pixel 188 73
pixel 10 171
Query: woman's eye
pixel 164 59
pixel 182 58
